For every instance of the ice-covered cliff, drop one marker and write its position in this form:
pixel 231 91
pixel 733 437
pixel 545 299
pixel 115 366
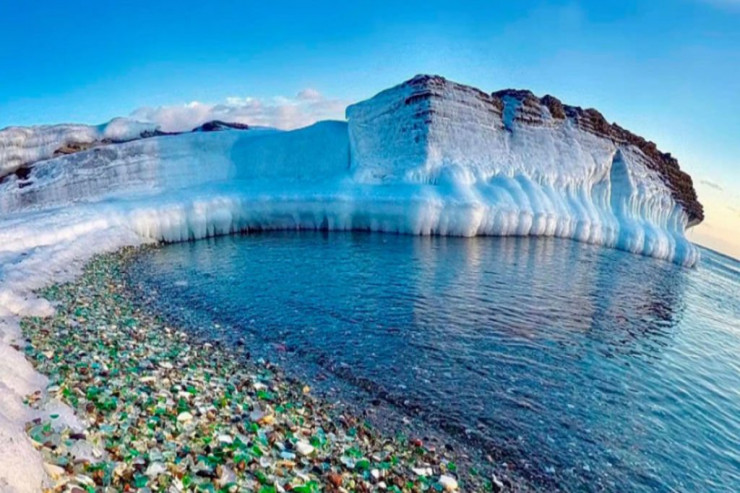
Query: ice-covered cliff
pixel 428 156
pixel 20 146
pixel 525 166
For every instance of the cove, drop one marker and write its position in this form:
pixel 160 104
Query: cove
pixel 583 367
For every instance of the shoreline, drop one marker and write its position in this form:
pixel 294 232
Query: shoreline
pixel 167 412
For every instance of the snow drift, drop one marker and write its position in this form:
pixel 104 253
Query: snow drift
pixel 428 156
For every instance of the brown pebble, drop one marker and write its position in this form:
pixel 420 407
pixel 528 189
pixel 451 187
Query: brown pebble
pixel 335 479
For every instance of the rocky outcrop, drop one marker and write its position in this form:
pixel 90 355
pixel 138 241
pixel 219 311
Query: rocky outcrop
pixel 218 125
pixel 72 147
pixel 594 122
pixel 426 157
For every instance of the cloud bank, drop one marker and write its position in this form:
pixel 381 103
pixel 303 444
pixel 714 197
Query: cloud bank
pixel 305 108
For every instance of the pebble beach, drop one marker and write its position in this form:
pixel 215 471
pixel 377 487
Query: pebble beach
pixel 163 411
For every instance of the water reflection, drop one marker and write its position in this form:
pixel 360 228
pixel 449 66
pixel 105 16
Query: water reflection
pixel 546 284
pixel 586 367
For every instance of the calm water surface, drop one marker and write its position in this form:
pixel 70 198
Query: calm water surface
pixel 591 369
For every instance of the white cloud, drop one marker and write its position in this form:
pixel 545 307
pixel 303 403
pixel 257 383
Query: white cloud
pixel 310 95
pixel 307 107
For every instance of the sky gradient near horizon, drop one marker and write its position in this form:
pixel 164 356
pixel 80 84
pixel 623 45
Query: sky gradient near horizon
pixel 665 69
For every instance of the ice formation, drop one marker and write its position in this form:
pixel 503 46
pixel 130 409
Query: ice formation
pixel 428 156
pixel 523 166
pixel 20 146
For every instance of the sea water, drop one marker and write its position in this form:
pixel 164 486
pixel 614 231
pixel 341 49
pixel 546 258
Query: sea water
pixel 581 367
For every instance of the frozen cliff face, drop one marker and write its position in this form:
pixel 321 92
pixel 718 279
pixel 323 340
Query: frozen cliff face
pixel 426 157
pixel 524 166
pixel 20 146
pixel 211 155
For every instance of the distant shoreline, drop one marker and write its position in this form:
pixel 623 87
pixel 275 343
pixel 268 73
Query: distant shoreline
pixel 721 254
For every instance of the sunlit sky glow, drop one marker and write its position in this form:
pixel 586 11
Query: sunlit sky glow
pixel 665 69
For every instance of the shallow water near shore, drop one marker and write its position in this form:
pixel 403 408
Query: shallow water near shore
pixel 583 367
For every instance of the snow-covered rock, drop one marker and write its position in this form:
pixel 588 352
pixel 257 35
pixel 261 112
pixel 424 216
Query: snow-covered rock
pixel 20 146
pixel 523 166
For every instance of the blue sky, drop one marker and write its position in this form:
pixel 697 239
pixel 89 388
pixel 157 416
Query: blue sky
pixel 667 70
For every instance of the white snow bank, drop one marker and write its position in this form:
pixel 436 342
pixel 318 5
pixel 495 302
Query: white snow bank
pixel 21 469
pixel 448 167
pixel 34 254
pixel 124 129
pixel 23 145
